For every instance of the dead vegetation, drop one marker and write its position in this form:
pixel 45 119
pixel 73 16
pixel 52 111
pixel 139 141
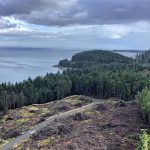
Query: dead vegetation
pixel 111 125
pixel 18 121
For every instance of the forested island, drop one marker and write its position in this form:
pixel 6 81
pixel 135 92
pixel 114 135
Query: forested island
pixel 95 58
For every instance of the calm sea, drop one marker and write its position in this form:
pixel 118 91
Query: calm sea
pixel 18 64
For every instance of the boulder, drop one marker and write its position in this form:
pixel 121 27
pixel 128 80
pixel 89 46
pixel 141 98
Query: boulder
pixel 100 107
pixel 121 104
pixel 12 134
pixel 63 108
pixel 63 129
pixel 79 117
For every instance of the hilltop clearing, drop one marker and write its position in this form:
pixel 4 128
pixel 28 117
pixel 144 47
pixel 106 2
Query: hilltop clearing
pixel 107 125
pixel 17 122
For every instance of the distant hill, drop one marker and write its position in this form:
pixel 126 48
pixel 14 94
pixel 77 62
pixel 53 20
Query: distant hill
pixel 129 51
pixel 143 57
pixel 95 57
pixel 100 56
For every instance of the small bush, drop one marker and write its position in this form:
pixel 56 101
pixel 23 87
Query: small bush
pixel 144 141
pixel 144 103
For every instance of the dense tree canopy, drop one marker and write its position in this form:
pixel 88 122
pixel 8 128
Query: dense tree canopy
pixel 39 90
pixel 144 103
pixel 144 57
pixel 101 56
pixel 106 75
pixel 100 59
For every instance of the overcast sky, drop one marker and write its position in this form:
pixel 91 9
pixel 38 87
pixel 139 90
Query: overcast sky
pixel 109 24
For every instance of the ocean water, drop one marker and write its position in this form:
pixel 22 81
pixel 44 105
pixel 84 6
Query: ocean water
pixel 18 64
pixel 129 54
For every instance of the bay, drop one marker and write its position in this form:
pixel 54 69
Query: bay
pixel 18 64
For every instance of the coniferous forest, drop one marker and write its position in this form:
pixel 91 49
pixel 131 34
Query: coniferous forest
pixel 100 74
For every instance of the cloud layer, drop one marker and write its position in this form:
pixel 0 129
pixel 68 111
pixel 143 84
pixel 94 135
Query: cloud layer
pixel 68 12
pixel 95 21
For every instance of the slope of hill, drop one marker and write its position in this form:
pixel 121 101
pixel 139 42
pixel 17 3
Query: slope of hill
pixel 108 124
pixel 18 121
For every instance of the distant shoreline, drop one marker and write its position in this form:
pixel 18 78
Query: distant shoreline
pixel 129 51
pixel 64 68
pixel 60 67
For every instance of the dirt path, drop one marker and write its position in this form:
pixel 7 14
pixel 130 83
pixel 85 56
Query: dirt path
pixel 45 123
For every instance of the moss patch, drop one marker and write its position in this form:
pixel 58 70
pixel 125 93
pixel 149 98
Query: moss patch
pixel 89 113
pixel 87 122
pixel 42 143
pixel 44 110
pixel 73 100
pixel 25 113
pixel 23 120
pixel 34 108
pixel 3 142
pixel 50 140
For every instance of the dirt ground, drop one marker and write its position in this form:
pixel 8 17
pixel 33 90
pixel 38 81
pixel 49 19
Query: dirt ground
pixel 111 125
pixel 18 121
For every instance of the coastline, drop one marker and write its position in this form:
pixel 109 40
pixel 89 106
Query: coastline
pixel 64 68
pixel 60 67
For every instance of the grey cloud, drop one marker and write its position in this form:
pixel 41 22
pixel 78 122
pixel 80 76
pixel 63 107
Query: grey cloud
pixel 18 7
pixel 11 7
pixel 68 12
pixel 116 11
